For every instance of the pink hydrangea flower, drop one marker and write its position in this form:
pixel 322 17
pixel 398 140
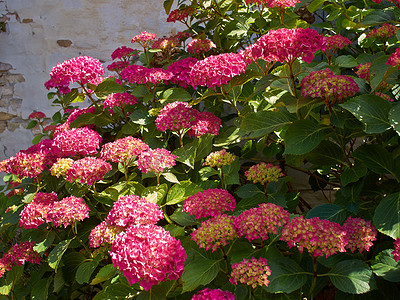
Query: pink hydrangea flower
pixel 334 42
pixel 216 294
pixel 102 234
pixel 319 237
pixel 219 159
pixel 80 69
pixel 133 210
pixel 209 203
pixel 384 32
pixel 394 59
pixel 122 52
pixel 180 15
pixel 37 115
pixel 36 212
pixel 142 75
pixel 123 150
pixel 143 37
pixel 384 96
pixel 18 255
pixel 200 46
pixel 363 71
pixel 263 173
pixel 216 70
pixel 396 252
pixel 68 211
pixel 88 170
pixel 275 3
pixel 117 66
pixel 253 273
pixel 286 45
pixel 61 167
pixel 215 232
pixel 254 52
pixel 259 222
pixel 156 160
pixel 165 43
pixel 149 254
pixel 77 141
pixel 119 100
pixel 176 116
pixel 204 123
pixel 359 234
pixel 180 71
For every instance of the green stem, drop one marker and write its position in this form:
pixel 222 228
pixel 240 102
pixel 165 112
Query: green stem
pixel 314 282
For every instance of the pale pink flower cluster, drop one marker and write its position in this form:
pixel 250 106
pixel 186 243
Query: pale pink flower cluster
pixel 142 75
pixel 319 237
pixel 209 203
pixel 149 254
pixel 119 100
pixel 180 15
pixel 68 211
pixel 88 170
pixel 384 32
pixel 205 123
pixel 123 150
pixel 286 45
pixel 275 3
pixel 35 213
pixel 176 116
pixel 102 234
pixel 200 46
pixel 359 234
pixel 61 167
pixel 216 294
pixel 18 255
pixel 122 52
pixel 216 70
pixel 219 159
pixel 396 252
pixel 254 272
pixel 132 210
pixel 77 141
pixel 215 232
pixel 363 71
pixel 156 160
pixel 263 173
pixel 165 43
pixel 328 86
pixel 80 69
pixel 394 59
pixel 144 39
pixel 180 71
pixel 259 222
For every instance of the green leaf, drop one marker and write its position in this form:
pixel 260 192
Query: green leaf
pixel 381 71
pixel 183 218
pixel 86 269
pixel 168 5
pixel 303 136
pixel 41 289
pixel 57 253
pixel 263 122
pixel 116 291
pixel 42 246
pixel 353 174
pixel 195 151
pixel 315 5
pixel 13 277
pixel 394 117
pixel 371 110
pixel 155 194
pixel 141 117
pixel 37 139
pixel 286 276
pixel 107 87
pixel 200 271
pixel 376 158
pixel 176 94
pixel 231 173
pixel 180 192
pixel 331 212
pixel 105 273
pixel 249 190
pixel 387 216
pixel 326 153
pixel 346 61
pixel 32 124
pixel 352 276
pixel 170 177
pixel 385 266
pixel 157 292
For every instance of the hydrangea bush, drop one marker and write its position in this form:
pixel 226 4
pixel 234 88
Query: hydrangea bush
pixel 178 175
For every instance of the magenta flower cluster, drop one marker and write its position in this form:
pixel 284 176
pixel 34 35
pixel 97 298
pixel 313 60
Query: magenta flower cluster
pixel 142 75
pixel 219 159
pixel 122 52
pixel 144 38
pixel 334 42
pixel 263 173
pixel 80 69
pixel 259 222
pixel 206 122
pixel 200 46
pixel 384 32
pixel 180 15
pixel 363 71
pixel 123 150
pixel 119 100
pixel 394 59
pixel 102 234
pixel 254 272
pixel 396 252
pixel 359 234
pixel 88 170
pixel 209 203
pixel 217 70
pixel 156 160
pixel 180 71
pixel 216 294
pixel 275 3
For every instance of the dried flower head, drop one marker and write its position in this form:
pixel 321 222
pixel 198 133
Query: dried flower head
pixel 263 173
pixel 216 294
pixel 123 150
pixel 156 160
pixel 88 170
pixel 219 159
pixel 359 234
pixel 68 211
pixel 165 43
pixel 253 273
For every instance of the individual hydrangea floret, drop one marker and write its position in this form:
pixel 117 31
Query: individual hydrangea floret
pixel 77 141
pixel 384 32
pixel 259 222
pixel 216 70
pixel 200 46
pixel 149 254
pixel 36 212
pixel 216 294
pixel 68 211
pixel 359 234
pixel 394 59
pixel 102 234
pixel 122 52
pixel 156 160
pixel 209 203
pixel 180 71
pixel 215 232
pixel 396 252
pixel 205 123
pixel 80 69
pixel 61 167
pixel 88 170
pixel 254 272
pixel 180 15
pixel 319 237
pixel 176 116
pixel 142 75
pixel 219 159
pixel 133 210
pixel 119 100
pixel 263 173
pixel 123 150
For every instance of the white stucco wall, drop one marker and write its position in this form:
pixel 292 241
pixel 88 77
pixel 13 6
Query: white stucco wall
pixel 29 46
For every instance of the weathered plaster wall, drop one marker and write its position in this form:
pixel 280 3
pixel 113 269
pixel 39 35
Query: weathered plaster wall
pixel 41 33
